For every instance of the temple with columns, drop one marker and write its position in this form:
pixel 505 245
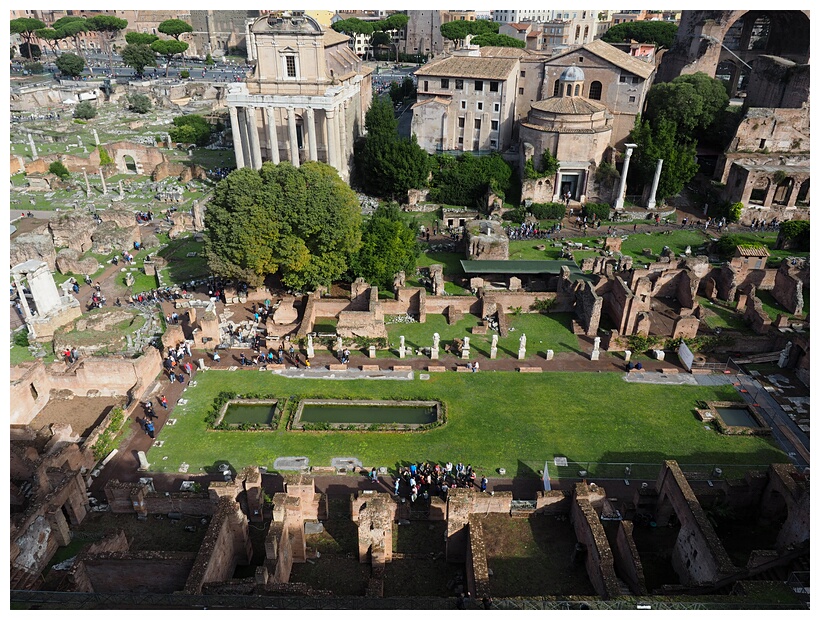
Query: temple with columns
pixel 307 98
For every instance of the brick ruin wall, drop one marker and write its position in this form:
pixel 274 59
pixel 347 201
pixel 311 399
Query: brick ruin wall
pixel 478 574
pixel 627 560
pixel 590 532
pixel 788 290
pixel 158 572
pixel 588 307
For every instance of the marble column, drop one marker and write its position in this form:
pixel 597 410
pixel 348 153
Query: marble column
pixel 102 178
pixel 273 143
pixel 655 180
pixel 33 148
pixel 18 283
pixel 309 123
pixel 96 138
pixel 237 138
pixel 256 151
pixel 619 202
pixel 244 139
pixel 343 156
pixel 87 184
pixel 293 140
pixel 332 139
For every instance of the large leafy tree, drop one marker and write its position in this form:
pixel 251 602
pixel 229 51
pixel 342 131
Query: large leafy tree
pixel 138 56
pixel 302 223
pixel 108 27
pixel 388 246
pixel 466 179
pixel 661 141
pixel 353 26
pixel 695 104
pixel 191 128
pixel 27 27
pixel 168 48
pixel 140 38
pixel 70 64
pixel 458 30
pixel 72 27
pixel 387 165
pixel 175 28
pixel 50 37
pixel 661 34
pixel 497 40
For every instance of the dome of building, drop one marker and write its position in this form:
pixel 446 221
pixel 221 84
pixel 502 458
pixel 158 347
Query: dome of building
pixel 572 74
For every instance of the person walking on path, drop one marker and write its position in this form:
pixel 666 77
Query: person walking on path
pixel 163 401
pixel 149 428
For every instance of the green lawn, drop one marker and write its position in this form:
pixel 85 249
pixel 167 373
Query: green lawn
pixel 494 419
pixel 19 355
pixel 677 240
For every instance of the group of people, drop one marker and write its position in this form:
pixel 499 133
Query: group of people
pixel 433 479
pixel 173 362
pixel 144 216
pixel 71 355
pixel 532 231
pixel 262 359
pixel 761 225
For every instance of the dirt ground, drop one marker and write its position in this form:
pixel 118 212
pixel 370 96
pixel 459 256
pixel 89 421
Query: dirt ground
pixel 82 413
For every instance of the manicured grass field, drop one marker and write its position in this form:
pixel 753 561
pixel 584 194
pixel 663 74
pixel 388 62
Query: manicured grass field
pixel 494 419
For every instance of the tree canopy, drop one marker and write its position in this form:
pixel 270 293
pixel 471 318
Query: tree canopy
pixel 660 141
pixel 353 26
pixel 497 40
pixel 387 165
pixel 464 180
pixel 175 28
pixel 70 64
pixel 388 246
pixel 51 37
pixel 138 56
pixel 72 26
pixel 139 103
pixel 140 38
pixel 693 103
pixel 303 223
pixel 168 48
pixel 191 129
pixel 459 29
pixel 108 28
pixel 26 27
pixel 661 34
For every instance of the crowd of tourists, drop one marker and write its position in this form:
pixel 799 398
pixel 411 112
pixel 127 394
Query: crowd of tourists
pixel 532 231
pixel 425 480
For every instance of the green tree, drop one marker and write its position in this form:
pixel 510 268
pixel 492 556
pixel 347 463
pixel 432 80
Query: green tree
pixel 465 180
pixel 660 141
pixel 175 28
pixel 138 56
pixel 140 38
pixel 168 48
pixel 108 27
pixel 388 246
pixel 34 68
pixel 26 27
pixel 456 31
pixel 85 110
pixel 302 223
pixel 51 38
pixel 661 34
pixel 387 165
pixel 139 103
pixel 497 40
pixel 209 60
pixel 353 26
pixel 70 64
pixel 693 103
pixel 72 27
pixel 58 168
pixel 191 128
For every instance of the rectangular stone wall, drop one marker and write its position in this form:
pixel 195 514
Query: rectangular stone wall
pixel 599 561
pixel 785 290
pixel 309 316
pixel 627 560
pixel 588 306
pixel 687 289
pixel 226 543
pixel 553 502
pixel 478 576
pixel 157 572
pixel 498 502
pixel 463 303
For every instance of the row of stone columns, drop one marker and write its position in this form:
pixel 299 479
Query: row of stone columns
pixel 247 148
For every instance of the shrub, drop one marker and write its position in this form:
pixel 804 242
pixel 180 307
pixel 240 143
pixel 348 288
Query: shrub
pixel 209 60
pixel 21 338
pixel 600 210
pixel 548 211
pixel 796 231
pixel 85 110
pixel 33 67
pixel 139 103
pixel 185 73
pixel 105 158
pixel 59 169
pixel 191 128
pixel 542 305
pixel 516 215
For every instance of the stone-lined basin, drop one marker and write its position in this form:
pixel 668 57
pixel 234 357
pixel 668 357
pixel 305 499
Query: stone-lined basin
pixel 361 414
pixel 732 418
pixel 247 411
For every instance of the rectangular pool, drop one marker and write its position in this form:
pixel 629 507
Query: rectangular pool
pixel 401 414
pixel 737 416
pixel 237 413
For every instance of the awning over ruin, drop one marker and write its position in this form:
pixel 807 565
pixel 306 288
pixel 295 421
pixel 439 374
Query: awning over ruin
pixel 522 267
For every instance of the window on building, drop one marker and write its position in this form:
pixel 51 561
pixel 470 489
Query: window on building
pixel 445 83
pixel 461 121
pixel 632 100
pixel 476 145
pixel 479 85
pixel 459 84
pixel 577 90
pixel 426 86
pixel 477 123
pixel 523 74
pixel 461 140
pixel 595 90
pixel 586 32
pixel 463 105
pixel 520 91
pixel 494 125
pixel 290 66
pixel 494 143
pixel 496 107
pixel 622 79
pixel 479 105
pixel 493 87
pixel 762 144
pixel 636 79
pixel 556 90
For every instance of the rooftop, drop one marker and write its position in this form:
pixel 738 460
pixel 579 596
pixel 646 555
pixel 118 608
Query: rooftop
pixel 470 67
pixel 615 56
pixel 522 267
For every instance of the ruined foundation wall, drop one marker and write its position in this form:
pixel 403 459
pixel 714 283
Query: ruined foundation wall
pixel 590 532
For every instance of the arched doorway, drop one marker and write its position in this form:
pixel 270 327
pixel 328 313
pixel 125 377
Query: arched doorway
pixel 130 164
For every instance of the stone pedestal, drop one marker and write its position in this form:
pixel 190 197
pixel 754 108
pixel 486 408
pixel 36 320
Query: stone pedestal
pixel 594 355
pixel 627 355
pixel 371 351
pixel 201 363
pixel 550 354
pixel 465 353
pixel 522 353
pixel 659 355
pixel 401 352
pixel 149 267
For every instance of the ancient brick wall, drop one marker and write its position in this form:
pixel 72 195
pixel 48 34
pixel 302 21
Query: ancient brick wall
pixel 226 544
pixel 497 502
pixel 588 306
pixel 478 576
pixel 687 289
pixel 757 318
pixel 309 316
pixel 375 527
pixel 590 532
pixel 626 558
pixel 157 572
pixel 459 509
pixel 553 502
pixel 788 290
